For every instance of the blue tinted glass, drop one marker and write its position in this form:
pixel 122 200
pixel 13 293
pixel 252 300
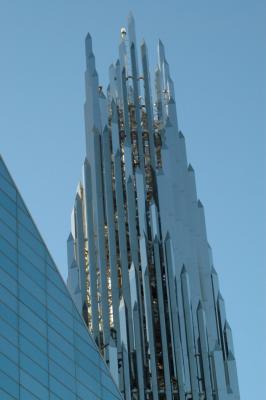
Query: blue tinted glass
pixel 24 219
pixel 31 240
pixel 7 296
pixel 83 360
pixel 61 375
pixel 8 367
pixel 36 338
pixel 60 390
pixel 8 234
pixel 33 352
pixel 8 282
pixel 21 204
pixel 57 340
pixel 8 332
pixel 60 327
pixel 8 349
pixel 27 252
pixel 86 393
pixel 48 343
pixel 7 249
pixel 85 348
pixel 7 188
pixel 32 318
pixel 26 395
pixel 8 315
pixel 81 329
pixel 50 261
pixel 32 302
pixel 61 359
pixel 59 311
pixel 54 277
pixel 5 396
pixel 34 369
pixel 54 397
pixel 9 385
pixel 60 297
pixel 7 203
pixel 4 172
pixel 108 385
pixel 107 395
pixel 31 286
pixel 9 266
pixel 40 391
pixel 88 380
pixel 8 218
pixel 31 271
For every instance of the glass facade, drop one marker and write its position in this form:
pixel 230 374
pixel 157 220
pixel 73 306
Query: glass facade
pixel 140 266
pixel 46 351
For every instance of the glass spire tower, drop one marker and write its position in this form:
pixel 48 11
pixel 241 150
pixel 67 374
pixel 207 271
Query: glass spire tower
pixel 140 266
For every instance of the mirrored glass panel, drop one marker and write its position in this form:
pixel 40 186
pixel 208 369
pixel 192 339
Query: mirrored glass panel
pixel 46 350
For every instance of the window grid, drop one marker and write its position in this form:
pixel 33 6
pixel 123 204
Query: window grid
pixel 38 319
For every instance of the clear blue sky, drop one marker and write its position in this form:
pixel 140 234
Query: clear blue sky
pixel 216 51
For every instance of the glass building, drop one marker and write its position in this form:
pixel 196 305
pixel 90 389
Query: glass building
pixel 46 351
pixel 140 266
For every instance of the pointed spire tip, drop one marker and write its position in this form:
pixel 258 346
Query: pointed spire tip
pixel 167 236
pixel 200 205
pixel 227 326
pixel 184 270
pixel 200 305
pixel 220 297
pixel 70 237
pixel 160 43
pixel 130 15
pixel 88 36
pixel 213 270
